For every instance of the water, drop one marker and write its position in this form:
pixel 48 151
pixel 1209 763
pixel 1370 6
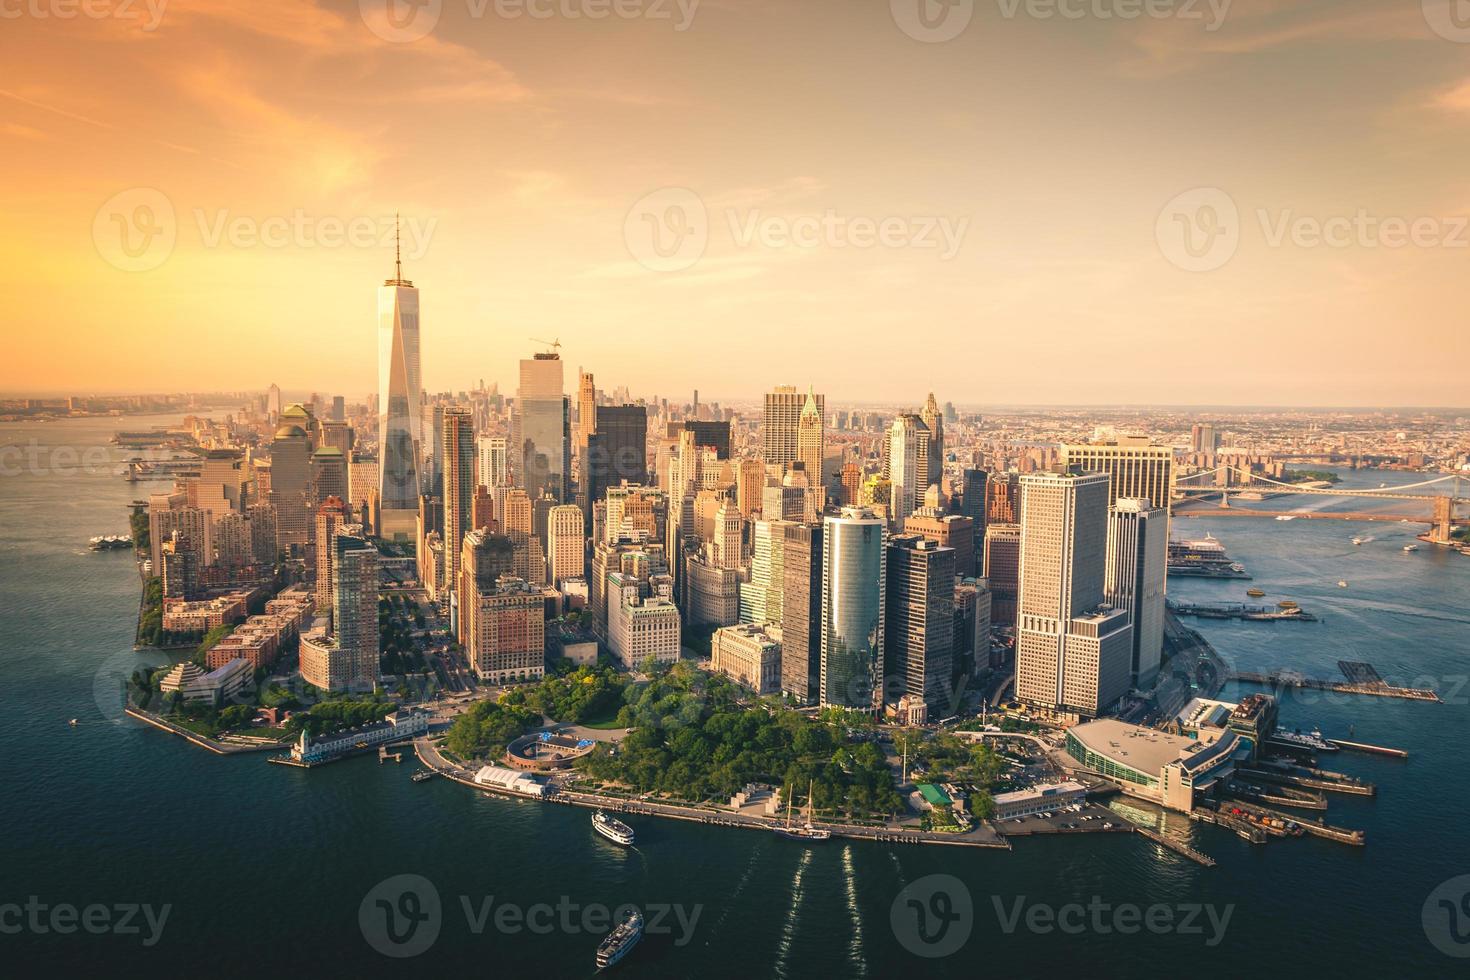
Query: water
pixel 265 867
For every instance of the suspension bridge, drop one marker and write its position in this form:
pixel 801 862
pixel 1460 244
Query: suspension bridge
pixel 1238 480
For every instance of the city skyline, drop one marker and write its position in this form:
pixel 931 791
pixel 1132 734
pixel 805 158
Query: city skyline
pixel 276 128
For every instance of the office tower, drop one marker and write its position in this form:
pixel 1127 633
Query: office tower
pixel 934 450
pixel 908 440
pixel 565 543
pixel 179 567
pixel 505 638
pixel 854 572
pixel 362 479
pixel 400 398
pixel 339 409
pixel 1135 467
pixel 1138 551
pixel 801 613
pixel 1073 652
pixel 328 475
pixel 485 558
pixel 783 503
pixel 543 444
pixel 760 597
pixel 1203 438
pixel 431 466
pixel 1002 567
pixel 291 486
pixel 919 622
pixel 852 484
pixel 219 487
pixel 781 423
pixel 273 402
pixel 1003 499
pixel 640 627
pixel 948 531
pixel 809 440
pixel 329 520
pixel 728 532
pixel 974 496
pixel 494 462
pixel 335 433
pixel 972 601
pixel 617 451
pixel 712 433
pixel 750 483
pixel 586 408
pixel 345 657
pixel 458 460
pixel 483 510
pixel 262 519
pixel 516 523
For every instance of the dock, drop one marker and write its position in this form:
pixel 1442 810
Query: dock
pixel 1280 795
pixel 1241 611
pixel 1315 827
pixel 1343 743
pixel 1178 847
pixel 1281 679
pixel 1302 777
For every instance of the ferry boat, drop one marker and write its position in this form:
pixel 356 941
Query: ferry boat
pixel 803 831
pixel 1305 740
pixel 1286 517
pixel 612 828
pixel 1287 604
pixel 1255 593
pixel 422 775
pixel 621 940
pixel 1202 558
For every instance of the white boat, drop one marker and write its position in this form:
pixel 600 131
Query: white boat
pixel 621 940
pixel 1305 740
pixel 1357 541
pixel 1411 547
pixel 612 828
pixel 1342 583
pixel 1286 517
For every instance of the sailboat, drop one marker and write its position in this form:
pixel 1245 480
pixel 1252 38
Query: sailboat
pixel 805 831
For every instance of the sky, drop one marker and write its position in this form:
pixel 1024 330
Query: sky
pixel 1001 201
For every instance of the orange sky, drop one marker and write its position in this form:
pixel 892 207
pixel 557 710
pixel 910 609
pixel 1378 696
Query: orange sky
pixel 998 217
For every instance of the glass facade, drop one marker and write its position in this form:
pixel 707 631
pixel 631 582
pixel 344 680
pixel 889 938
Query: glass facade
pixel 853 573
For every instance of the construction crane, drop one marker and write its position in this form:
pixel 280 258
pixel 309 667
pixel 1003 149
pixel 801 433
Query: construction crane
pixel 555 345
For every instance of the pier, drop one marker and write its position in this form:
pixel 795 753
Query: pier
pixel 1232 610
pixel 1280 795
pixel 1315 827
pixel 1178 847
pixel 1302 777
pixel 1280 679
pixel 1343 743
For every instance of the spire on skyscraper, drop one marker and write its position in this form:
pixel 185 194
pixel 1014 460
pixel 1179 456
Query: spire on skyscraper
pixel 397 279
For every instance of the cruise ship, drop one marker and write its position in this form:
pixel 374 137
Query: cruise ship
pixel 1203 558
pixel 612 828
pixel 621 940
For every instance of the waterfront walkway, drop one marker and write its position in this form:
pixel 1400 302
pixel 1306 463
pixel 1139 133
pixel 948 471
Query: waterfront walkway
pixel 430 756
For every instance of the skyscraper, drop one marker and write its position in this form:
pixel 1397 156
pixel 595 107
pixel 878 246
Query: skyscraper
pixel 919 622
pixel 400 397
pixel 346 656
pixel 801 613
pixel 854 564
pixel 934 451
pixel 1138 552
pixel 1135 467
pixel 291 486
pixel 543 443
pixel 586 408
pixel 566 546
pixel 1073 652
pixel 973 505
pixel 458 455
pixel 908 440
pixel 494 463
pixel 329 519
pixel 781 422
pixel 616 452
pixel 809 439
pixel 1001 566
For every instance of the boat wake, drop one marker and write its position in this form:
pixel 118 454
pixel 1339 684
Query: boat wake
pixel 788 926
pixel 855 947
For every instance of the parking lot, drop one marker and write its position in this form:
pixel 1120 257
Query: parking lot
pixel 1074 819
